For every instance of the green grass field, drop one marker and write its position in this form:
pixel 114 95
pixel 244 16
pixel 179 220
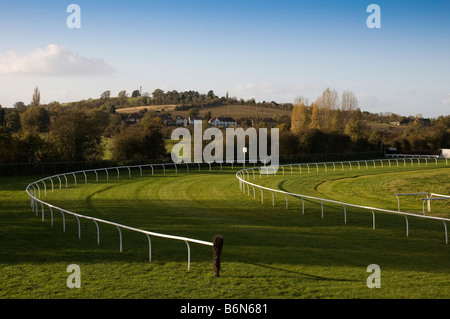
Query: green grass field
pixel 269 252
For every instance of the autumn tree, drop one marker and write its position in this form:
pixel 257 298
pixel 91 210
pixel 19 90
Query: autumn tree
pixel 337 124
pixel 326 104
pixel 354 128
pixel 315 123
pixel 300 117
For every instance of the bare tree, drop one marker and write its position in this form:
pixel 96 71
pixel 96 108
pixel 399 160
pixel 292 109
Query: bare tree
pixel 348 101
pixel 349 104
pixel 329 99
pixel 325 106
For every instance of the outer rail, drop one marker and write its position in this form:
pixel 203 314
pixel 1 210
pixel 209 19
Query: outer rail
pixel 243 183
pixel 34 191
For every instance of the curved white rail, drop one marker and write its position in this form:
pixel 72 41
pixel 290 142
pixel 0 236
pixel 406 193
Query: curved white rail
pixel 34 191
pixel 242 174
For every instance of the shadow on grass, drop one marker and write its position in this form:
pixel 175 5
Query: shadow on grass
pixel 315 277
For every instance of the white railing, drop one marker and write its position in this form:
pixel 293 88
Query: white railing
pixel 246 184
pixel 34 191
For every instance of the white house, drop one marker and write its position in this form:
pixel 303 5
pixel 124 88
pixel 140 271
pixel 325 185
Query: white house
pixel 222 121
pixel 444 153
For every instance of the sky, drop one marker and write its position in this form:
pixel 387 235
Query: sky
pixel 267 50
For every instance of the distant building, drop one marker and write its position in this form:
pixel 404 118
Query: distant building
pixel 405 121
pixel 444 153
pixel 167 120
pixel 422 121
pixel 222 121
pixel 133 118
pixel 181 121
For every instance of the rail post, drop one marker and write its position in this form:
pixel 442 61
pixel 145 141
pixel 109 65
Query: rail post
pixel 149 248
pixel 79 226
pixel 217 252
pixel 189 255
pixel 98 231
pixel 446 235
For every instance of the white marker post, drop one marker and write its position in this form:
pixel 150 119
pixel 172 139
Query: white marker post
pixel 245 151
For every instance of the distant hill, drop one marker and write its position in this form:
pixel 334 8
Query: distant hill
pixel 235 111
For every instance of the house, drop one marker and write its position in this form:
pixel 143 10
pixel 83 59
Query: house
pixel 405 121
pixel 444 153
pixel 222 121
pixel 422 121
pixel 181 121
pixel 167 120
pixel 133 118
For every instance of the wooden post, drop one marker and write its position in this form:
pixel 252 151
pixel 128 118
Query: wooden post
pixel 217 250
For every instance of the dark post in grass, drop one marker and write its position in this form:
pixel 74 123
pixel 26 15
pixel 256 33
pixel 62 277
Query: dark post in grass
pixel 217 250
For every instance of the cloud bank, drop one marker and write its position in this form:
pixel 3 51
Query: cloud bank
pixel 54 60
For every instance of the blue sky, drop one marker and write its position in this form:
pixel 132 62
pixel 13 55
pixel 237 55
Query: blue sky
pixel 267 50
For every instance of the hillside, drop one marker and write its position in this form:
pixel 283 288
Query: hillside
pixel 235 111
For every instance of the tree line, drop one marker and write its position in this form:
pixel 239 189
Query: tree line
pixel 184 100
pixel 89 131
pixel 336 124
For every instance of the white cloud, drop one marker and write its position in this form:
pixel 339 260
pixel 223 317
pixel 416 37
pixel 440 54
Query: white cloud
pixel 54 60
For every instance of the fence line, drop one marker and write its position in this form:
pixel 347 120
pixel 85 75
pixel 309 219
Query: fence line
pixel 243 183
pixel 34 191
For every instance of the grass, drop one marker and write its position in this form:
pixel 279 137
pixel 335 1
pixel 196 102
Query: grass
pixel 269 252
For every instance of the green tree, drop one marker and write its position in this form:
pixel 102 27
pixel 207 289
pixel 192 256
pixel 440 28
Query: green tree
pixel 211 95
pixel 105 96
pixel 12 121
pixel 139 142
pixel 194 112
pixel 207 116
pixel 5 146
pixel 35 119
pixel 2 116
pixel 122 98
pixel 77 136
pixel 136 93
pixel 20 106
pixel 29 147
pixel 158 96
